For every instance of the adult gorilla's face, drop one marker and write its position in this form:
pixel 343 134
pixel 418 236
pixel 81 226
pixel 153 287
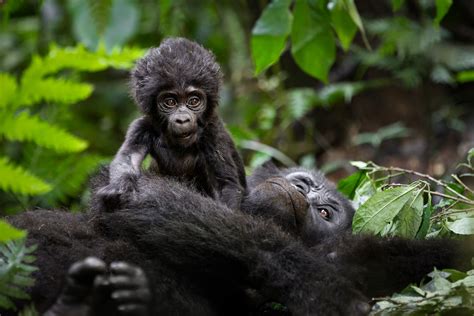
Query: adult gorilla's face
pixel 328 212
pixel 301 201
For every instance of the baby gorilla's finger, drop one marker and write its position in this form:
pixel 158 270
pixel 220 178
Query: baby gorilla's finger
pixel 131 296
pixel 80 277
pixel 132 310
pixel 124 268
pixel 125 282
pixel 86 270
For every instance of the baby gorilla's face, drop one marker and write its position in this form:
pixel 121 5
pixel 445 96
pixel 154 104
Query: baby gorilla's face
pixel 302 201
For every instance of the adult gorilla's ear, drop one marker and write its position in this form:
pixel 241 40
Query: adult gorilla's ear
pixel 265 171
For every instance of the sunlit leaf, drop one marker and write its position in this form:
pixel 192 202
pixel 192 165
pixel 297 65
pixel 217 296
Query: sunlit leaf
pixel 343 24
pixel 25 127
pixel 313 46
pixel 408 220
pixel 465 76
pixel 8 232
pixel 381 209
pixel 442 7
pixel 9 87
pixel 270 33
pixel 463 226
pixel 18 180
pixel 348 185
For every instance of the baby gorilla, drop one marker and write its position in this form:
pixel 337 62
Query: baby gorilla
pixel 89 291
pixel 176 86
pixel 319 210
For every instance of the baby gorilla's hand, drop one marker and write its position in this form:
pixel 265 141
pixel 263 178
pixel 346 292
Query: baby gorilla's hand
pixel 75 299
pixel 116 193
pixel 89 291
pixel 129 289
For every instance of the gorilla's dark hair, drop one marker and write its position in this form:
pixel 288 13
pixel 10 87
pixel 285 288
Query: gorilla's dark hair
pixel 179 61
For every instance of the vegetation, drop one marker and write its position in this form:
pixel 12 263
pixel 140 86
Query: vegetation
pixel 302 80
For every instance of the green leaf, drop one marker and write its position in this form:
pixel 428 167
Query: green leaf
pixel 270 33
pixel 53 90
pixel 463 226
pixel 16 179
pixel 465 76
pixel 408 220
pixel 425 222
pixel 397 4
pixel 300 101
pixel 8 232
pixel 24 127
pixel 348 185
pixel 9 87
pixel 313 46
pixel 381 209
pixel 442 7
pixel 343 24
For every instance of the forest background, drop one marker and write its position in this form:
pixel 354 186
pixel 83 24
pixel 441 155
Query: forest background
pixel 377 93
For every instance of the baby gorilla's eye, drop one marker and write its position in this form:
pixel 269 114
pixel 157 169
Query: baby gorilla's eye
pixel 324 213
pixel 193 101
pixel 170 102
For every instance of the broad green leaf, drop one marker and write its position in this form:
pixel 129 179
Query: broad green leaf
pixel 407 222
pixel 8 232
pixel 463 226
pixel 313 46
pixel 16 179
pixel 397 4
pixel 363 192
pixel 270 33
pixel 465 76
pixel 9 87
pixel 354 14
pixel 442 7
pixel 425 221
pixel 343 24
pixel 381 209
pixel 24 127
pixel 348 185
pixel 123 23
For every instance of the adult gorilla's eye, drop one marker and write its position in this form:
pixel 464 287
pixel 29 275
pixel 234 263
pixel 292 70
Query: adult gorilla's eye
pixel 170 102
pixel 324 213
pixel 193 101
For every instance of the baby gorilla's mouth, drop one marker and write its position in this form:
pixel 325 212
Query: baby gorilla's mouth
pixel 185 135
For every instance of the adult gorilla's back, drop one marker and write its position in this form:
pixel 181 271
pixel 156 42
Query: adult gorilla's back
pixel 201 257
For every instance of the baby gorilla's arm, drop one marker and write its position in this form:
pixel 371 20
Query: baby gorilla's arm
pixel 89 291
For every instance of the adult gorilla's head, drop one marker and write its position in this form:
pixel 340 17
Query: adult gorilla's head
pixel 300 200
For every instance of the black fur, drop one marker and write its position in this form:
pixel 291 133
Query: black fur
pixel 191 144
pixel 203 258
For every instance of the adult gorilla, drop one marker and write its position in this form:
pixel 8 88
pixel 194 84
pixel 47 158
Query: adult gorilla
pixel 202 258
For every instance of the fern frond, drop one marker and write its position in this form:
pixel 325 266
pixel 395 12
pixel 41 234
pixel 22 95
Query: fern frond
pixel 69 176
pixel 8 232
pixel 53 90
pixel 78 58
pixel 14 278
pixel 24 127
pixel 9 87
pixel 18 180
